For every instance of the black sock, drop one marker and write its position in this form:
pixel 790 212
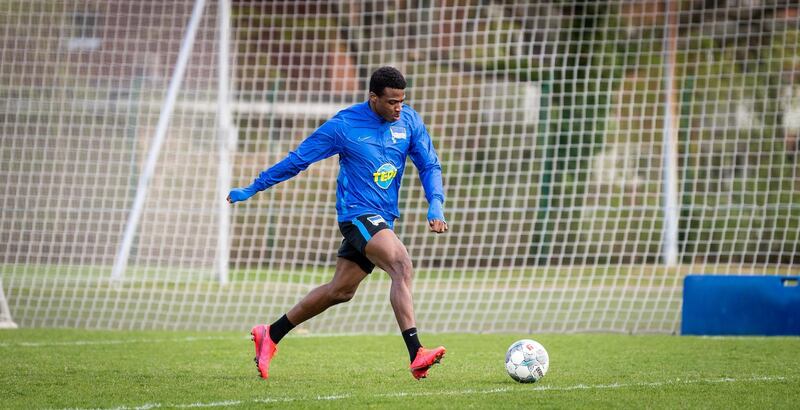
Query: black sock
pixel 279 329
pixel 412 342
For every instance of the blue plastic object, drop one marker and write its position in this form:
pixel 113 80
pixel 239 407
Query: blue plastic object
pixel 741 305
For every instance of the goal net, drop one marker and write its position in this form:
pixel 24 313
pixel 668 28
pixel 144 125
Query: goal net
pixel 593 154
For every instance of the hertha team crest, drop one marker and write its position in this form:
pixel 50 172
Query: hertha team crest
pixel 398 133
pixel 376 220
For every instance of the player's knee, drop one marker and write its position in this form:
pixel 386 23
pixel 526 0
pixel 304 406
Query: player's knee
pixel 401 268
pixel 340 295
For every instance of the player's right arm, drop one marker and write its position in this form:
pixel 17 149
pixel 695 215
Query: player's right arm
pixel 319 145
pixel 425 159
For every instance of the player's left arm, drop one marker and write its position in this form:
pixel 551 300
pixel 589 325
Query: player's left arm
pixel 425 159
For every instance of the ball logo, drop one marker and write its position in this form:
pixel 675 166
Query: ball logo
pixel 385 175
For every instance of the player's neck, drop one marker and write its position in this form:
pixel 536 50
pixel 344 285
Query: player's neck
pixel 369 102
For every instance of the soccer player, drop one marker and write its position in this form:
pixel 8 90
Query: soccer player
pixel 372 140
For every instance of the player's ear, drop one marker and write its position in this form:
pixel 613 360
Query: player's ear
pixel 373 97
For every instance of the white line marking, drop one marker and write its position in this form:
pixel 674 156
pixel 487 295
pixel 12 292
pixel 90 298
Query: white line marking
pixel 467 392
pixel 115 342
pixel 171 340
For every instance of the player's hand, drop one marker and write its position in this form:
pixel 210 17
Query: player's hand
pixel 240 194
pixel 437 225
pixel 436 220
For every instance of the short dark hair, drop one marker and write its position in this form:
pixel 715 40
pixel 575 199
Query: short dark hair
pixel 386 77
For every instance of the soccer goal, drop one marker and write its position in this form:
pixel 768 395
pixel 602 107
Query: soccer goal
pixel 593 153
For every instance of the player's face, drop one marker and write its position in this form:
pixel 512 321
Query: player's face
pixel 389 104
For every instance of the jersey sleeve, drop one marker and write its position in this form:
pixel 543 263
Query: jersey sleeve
pixel 321 144
pixel 425 159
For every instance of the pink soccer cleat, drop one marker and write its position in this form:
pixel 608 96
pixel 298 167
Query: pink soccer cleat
pixel 424 360
pixel 265 349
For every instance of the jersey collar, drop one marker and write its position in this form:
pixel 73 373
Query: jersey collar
pixel 372 115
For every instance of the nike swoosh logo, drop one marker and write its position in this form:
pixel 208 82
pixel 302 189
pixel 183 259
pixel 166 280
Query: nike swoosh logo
pixel 364 138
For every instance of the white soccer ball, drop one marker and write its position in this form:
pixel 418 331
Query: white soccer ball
pixel 527 361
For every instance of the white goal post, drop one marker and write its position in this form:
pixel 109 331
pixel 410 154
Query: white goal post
pixel 164 117
pixel 6 321
pixel 593 154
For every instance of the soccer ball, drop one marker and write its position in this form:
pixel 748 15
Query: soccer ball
pixel 527 361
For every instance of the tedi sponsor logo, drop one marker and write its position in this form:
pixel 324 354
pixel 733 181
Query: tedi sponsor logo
pixel 385 175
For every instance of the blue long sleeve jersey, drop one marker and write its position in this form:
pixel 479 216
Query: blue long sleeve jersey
pixel 372 156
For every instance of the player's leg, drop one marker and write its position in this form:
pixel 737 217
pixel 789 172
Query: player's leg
pixel 340 289
pixel 387 251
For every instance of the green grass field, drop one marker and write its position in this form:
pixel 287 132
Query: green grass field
pixel 56 369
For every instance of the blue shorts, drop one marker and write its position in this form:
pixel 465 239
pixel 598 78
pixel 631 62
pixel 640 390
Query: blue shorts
pixel 356 235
